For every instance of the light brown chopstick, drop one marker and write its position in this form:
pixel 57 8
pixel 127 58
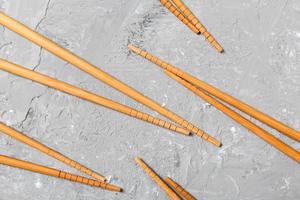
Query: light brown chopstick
pixel 196 22
pixel 70 89
pixel 178 14
pixel 85 66
pixel 269 138
pixel 12 162
pixel 47 150
pixel 251 111
pixel 156 178
pixel 180 190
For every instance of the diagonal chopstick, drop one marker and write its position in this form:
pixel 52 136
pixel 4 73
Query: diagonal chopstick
pixel 196 22
pixel 247 109
pixel 269 138
pixel 178 14
pixel 83 94
pixel 12 162
pixel 180 190
pixel 156 178
pixel 87 67
pixel 47 150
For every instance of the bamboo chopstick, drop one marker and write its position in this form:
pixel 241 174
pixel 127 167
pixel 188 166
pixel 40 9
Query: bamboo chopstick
pixel 180 16
pixel 196 22
pixel 180 190
pixel 12 162
pixel 155 177
pixel 50 152
pixel 269 138
pixel 266 119
pixel 85 66
pixel 83 94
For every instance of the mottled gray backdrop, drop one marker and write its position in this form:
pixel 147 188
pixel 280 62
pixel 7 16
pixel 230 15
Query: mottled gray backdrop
pixel 260 66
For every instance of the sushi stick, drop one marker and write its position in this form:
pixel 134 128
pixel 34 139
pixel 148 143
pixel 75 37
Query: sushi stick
pixel 50 152
pixel 85 66
pixel 253 112
pixel 269 138
pixel 196 22
pixel 12 162
pixel 180 190
pixel 155 177
pixel 83 94
pixel 178 14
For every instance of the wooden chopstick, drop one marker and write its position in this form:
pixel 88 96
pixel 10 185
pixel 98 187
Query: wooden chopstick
pixel 269 138
pixel 180 16
pixel 12 162
pixel 85 66
pixel 83 94
pixel 180 190
pixel 156 178
pixel 47 150
pixel 196 22
pixel 251 111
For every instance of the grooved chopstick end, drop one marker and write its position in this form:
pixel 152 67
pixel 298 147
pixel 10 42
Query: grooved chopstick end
pixel 183 131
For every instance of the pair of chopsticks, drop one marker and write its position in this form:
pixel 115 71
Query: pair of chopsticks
pixel 87 67
pixel 214 97
pixel 99 181
pixel 184 14
pixel 172 189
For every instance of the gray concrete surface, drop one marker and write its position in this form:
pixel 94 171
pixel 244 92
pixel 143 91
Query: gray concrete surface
pixel 260 66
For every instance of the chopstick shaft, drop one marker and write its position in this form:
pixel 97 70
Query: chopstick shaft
pixel 156 178
pixel 264 118
pixel 196 22
pixel 180 190
pixel 12 162
pixel 72 90
pixel 85 66
pixel 50 152
pixel 269 138
pixel 178 14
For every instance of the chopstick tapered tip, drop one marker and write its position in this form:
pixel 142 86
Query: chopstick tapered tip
pixel 114 188
pixel 215 142
pixel 100 178
pixel 218 47
pixel 183 131
pixel 134 48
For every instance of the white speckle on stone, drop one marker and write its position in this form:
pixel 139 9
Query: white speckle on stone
pixel 233 129
pixel 38 184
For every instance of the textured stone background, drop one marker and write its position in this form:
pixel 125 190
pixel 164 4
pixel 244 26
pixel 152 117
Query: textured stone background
pixel 260 66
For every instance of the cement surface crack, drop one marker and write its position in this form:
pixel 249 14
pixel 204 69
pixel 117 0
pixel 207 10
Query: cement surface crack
pixel 39 59
pixel 44 16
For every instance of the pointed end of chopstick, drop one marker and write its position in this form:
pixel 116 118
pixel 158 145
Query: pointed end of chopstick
pixel 180 80
pixel 114 188
pixel 100 178
pixel 134 49
pixel 183 131
pixel 218 47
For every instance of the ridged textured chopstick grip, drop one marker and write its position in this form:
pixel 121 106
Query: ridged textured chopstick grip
pixel 85 66
pixel 196 22
pixel 178 14
pixel 180 190
pixel 269 138
pixel 253 112
pixel 43 148
pixel 12 162
pixel 72 90
pixel 156 178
